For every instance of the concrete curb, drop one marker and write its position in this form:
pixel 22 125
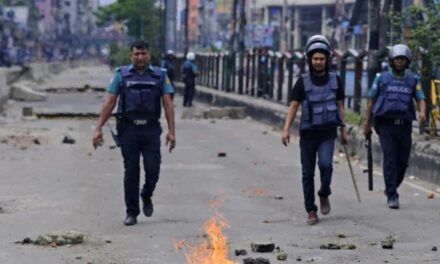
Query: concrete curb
pixel 23 91
pixel 425 155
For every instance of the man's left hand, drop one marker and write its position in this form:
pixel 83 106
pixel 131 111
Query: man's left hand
pixel 171 140
pixel 344 136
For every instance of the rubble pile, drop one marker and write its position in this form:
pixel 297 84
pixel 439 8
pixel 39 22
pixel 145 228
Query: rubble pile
pixel 54 239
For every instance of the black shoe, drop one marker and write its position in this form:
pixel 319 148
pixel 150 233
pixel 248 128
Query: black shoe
pixel 148 207
pixel 130 220
pixel 325 205
pixel 393 203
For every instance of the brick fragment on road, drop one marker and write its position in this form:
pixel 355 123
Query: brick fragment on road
pixel 68 140
pixel 262 247
pixel 256 261
pixel 240 252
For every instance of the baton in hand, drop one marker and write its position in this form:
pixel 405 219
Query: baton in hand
pixel 352 175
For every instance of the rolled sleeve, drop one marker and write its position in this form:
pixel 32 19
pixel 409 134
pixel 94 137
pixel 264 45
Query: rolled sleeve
pixel 114 84
pixel 419 94
pixel 167 87
pixel 374 90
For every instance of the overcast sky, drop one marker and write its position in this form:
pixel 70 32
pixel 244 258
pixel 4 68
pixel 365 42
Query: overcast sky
pixel 106 2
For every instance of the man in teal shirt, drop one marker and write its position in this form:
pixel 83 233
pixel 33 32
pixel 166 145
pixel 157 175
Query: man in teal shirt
pixel 142 90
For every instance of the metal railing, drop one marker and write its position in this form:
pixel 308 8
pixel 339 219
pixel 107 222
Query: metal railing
pixel 271 75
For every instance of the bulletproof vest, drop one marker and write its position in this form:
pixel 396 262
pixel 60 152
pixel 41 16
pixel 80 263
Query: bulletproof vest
pixel 140 95
pixel 319 109
pixel 395 97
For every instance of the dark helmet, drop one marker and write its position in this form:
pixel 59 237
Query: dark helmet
pixel 318 43
pixel 400 50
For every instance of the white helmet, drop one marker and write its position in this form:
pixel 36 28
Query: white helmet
pixel 400 50
pixel 190 56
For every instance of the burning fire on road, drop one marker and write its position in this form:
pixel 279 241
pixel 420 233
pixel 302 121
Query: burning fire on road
pixel 212 248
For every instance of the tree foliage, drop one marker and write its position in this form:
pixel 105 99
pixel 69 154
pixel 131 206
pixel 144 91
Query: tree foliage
pixel 421 25
pixel 141 18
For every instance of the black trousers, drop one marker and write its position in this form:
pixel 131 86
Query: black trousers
pixel 137 141
pixel 190 90
pixel 395 140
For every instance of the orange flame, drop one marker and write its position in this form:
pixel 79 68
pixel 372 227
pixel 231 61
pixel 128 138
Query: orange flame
pixel 213 249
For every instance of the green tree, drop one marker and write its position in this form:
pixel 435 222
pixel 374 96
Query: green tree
pixel 421 27
pixel 141 17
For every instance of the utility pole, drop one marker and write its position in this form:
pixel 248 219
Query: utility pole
pixel 162 21
pixel 141 21
pixel 242 48
pixel 283 37
pixel 170 24
pixel 233 26
pixel 187 27
pixel 230 69
pixel 373 44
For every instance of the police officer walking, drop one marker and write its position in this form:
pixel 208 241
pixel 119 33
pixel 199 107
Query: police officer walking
pixel 321 96
pixel 168 64
pixel 391 104
pixel 190 73
pixel 140 88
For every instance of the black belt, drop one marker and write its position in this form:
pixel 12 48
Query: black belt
pixel 140 121
pixel 394 121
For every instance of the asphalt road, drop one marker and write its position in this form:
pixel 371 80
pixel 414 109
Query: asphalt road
pixel 256 188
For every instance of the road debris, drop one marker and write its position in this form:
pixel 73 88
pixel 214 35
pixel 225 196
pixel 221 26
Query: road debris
pixel 348 246
pixel 434 248
pixel 22 140
pixel 240 252
pixel 68 140
pixel 388 242
pixel 256 261
pixel 262 247
pixel 282 256
pixel 330 246
pixel 334 246
pixel 298 258
pixel 430 195
pixel 221 154
pixel 54 239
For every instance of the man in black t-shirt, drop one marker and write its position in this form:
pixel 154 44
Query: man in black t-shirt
pixel 321 96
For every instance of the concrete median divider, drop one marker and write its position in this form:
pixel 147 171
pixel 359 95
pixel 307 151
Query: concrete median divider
pixel 23 91
pixel 17 82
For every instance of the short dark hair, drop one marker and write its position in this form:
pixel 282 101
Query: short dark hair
pixel 139 44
